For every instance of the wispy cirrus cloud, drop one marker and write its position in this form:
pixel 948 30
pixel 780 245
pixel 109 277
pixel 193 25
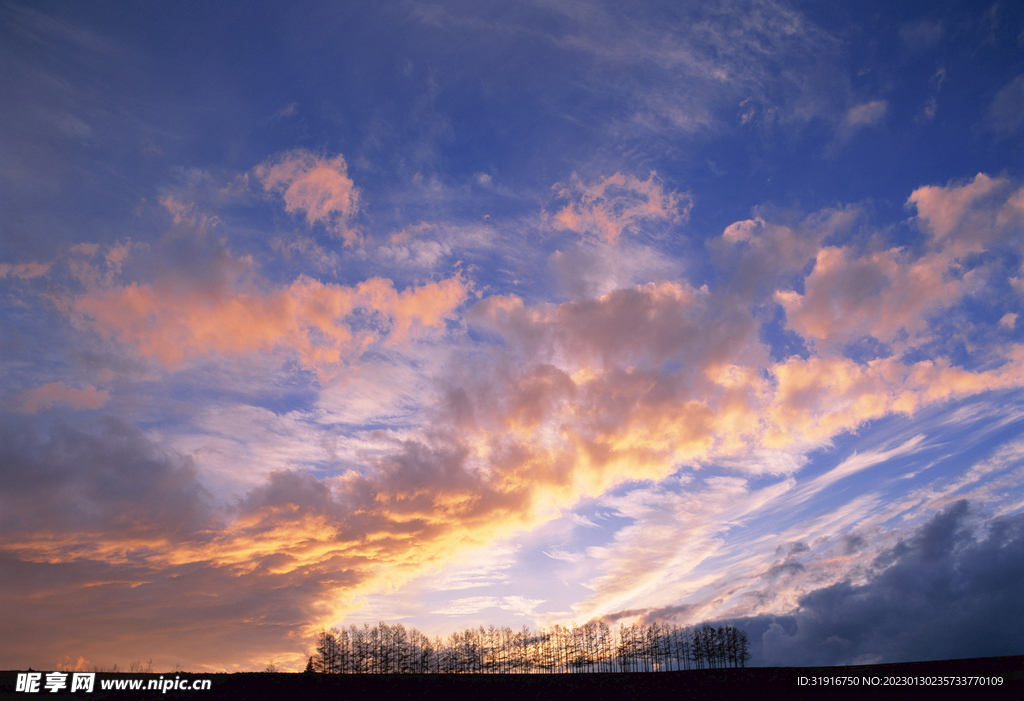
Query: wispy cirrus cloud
pixel 1004 114
pixel 821 532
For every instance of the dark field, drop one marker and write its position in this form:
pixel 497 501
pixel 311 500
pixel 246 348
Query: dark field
pixel 998 677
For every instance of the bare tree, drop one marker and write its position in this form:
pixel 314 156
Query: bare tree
pixel 387 649
pixel 326 658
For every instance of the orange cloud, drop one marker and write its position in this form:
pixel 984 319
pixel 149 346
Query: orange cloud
pixel 818 398
pixel 315 186
pixel 616 204
pixel 59 393
pixel 532 441
pixel 314 320
pixel 641 380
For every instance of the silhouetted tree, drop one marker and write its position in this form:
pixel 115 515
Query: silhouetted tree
pixel 386 649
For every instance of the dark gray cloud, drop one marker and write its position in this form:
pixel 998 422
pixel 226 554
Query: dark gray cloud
pixel 943 594
pixel 112 481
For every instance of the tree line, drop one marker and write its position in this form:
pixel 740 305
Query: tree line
pixel 594 647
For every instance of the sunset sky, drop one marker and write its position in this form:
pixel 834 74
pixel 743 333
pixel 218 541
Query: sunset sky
pixel 514 313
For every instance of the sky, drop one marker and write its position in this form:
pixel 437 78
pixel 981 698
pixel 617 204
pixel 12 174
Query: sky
pixel 454 314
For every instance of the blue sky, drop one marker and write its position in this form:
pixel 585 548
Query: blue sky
pixel 526 313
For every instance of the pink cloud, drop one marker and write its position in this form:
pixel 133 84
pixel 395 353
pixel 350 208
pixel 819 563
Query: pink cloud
pixel 656 321
pixel 971 217
pixel 616 204
pixel 23 270
pixel 893 293
pixel 59 393
pixel 868 114
pixel 313 320
pixel 315 186
pixel 880 295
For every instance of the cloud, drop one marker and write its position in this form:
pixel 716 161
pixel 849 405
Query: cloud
pixel 1006 113
pixel 881 295
pixel 617 204
pixel 322 259
pixel 317 187
pixel 931 105
pixel 893 295
pixel 645 324
pixel 23 270
pixel 423 254
pixel 70 483
pixel 756 253
pixel 660 558
pixel 975 216
pixel 559 554
pixel 821 397
pixel 91 519
pixel 326 326
pixel 581 520
pixel 593 267
pixel 921 35
pixel 855 118
pixel 867 114
pixel 289 110
pixel 538 406
pixel 520 605
pixel 943 579
pixel 854 464
pixel 59 393
pixel 687 72
pixel 619 393
pixel 719 545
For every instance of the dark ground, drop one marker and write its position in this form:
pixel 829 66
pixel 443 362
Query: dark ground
pixel 999 677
